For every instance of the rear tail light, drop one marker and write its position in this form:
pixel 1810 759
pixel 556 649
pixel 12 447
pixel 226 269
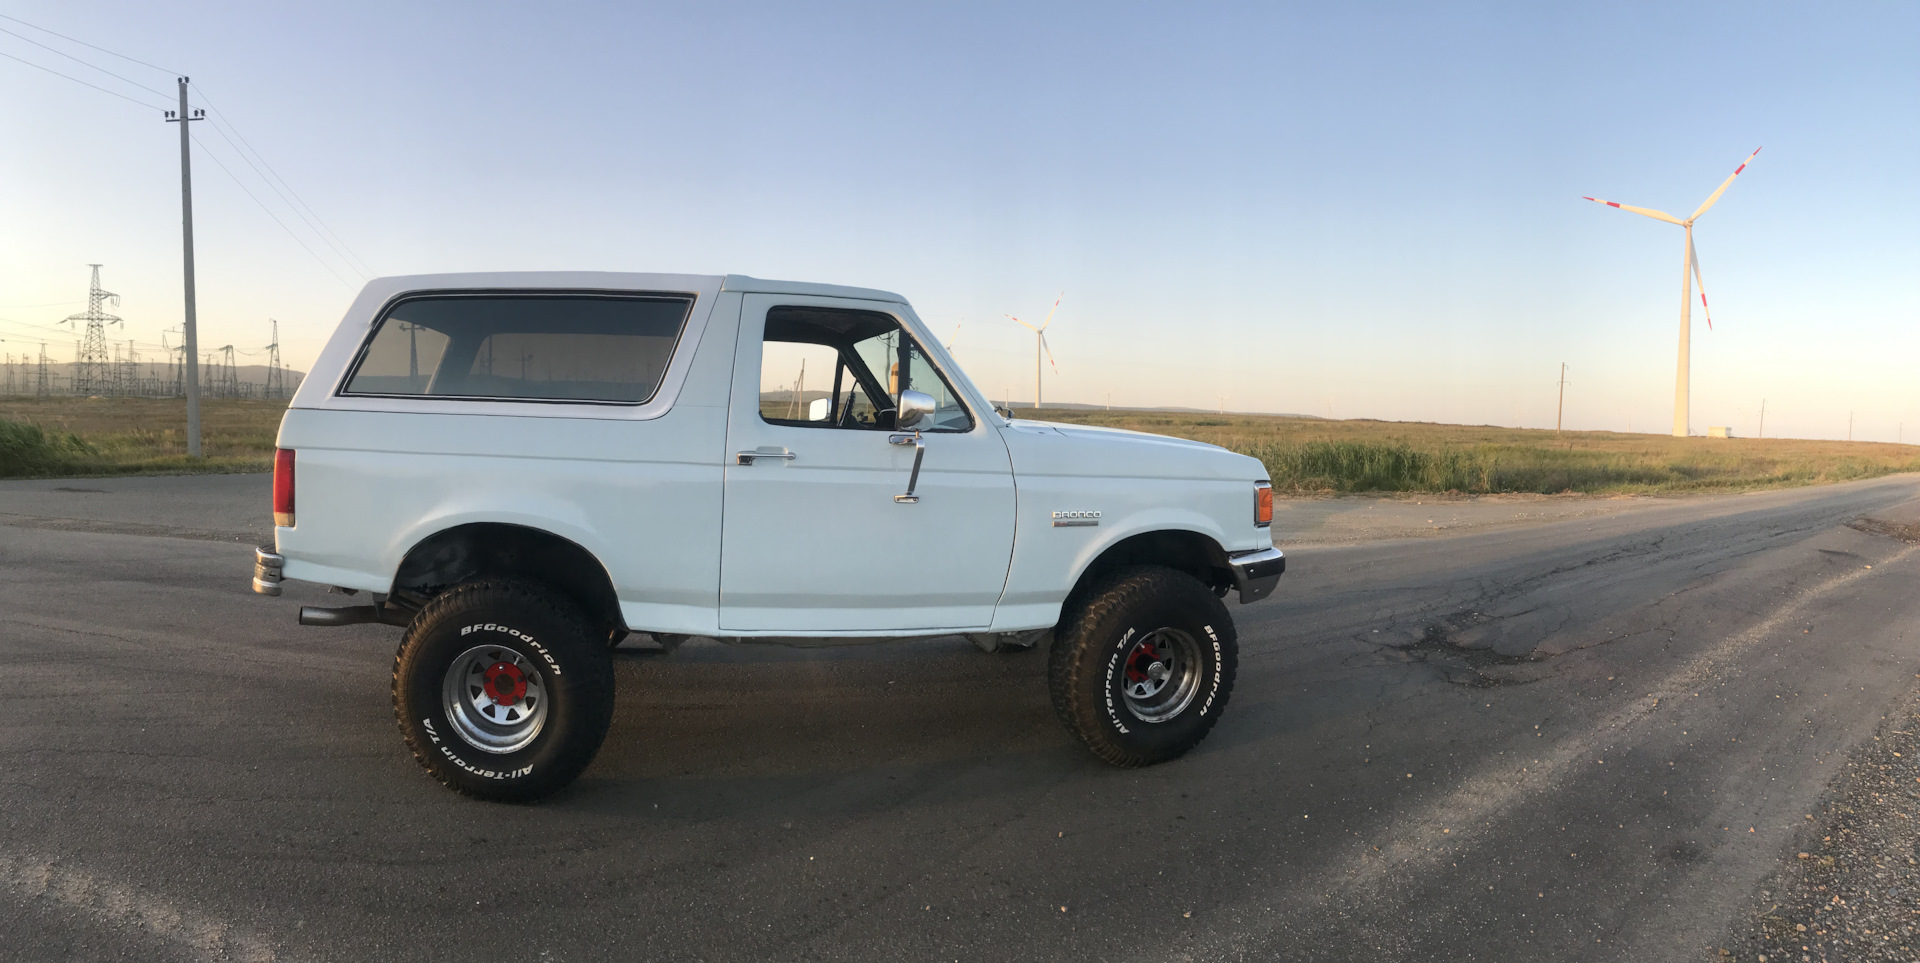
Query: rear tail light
pixel 1262 504
pixel 283 488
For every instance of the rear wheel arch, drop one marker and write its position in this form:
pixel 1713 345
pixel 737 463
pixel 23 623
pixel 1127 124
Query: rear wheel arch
pixel 478 550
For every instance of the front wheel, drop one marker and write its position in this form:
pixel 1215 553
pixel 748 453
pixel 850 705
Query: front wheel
pixel 502 689
pixel 1142 669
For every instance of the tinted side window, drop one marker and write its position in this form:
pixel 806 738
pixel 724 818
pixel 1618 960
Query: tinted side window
pixel 522 347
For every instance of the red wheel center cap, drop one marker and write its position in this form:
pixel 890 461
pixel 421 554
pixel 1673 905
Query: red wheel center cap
pixel 506 685
pixel 1140 662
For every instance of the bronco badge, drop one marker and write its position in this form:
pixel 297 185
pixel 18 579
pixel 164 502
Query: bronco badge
pixel 1075 519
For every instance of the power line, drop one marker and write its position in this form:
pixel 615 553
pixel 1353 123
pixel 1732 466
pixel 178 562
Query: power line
pixel 276 218
pixel 83 63
pixel 82 83
pixel 228 132
pixel 217 128
pixel 83 43
pixel 320 227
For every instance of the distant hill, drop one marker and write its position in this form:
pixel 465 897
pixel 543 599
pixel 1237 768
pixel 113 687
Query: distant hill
pixel 1075 406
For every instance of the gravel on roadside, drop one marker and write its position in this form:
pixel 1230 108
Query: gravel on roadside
pixel 1853 893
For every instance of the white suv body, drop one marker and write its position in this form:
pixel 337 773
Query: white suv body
pixel 696 543
pixel 681 482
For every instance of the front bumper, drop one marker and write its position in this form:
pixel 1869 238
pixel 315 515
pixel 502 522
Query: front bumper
pixel 1255 573
pixel 266 571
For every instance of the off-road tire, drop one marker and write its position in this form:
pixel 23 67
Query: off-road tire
pixel 558 652
pixel 1102 635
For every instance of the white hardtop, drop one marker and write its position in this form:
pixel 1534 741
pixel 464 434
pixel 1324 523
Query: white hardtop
pixel 388 287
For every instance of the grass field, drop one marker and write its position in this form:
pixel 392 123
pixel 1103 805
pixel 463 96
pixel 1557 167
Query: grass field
pixel 1308 455
pixel 119 436
pixel 132 436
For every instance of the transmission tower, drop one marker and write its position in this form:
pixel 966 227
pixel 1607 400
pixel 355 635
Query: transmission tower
pixel 229 376
pixel 130 371
pixel 276 386
pixel 93 369
pixel 40 374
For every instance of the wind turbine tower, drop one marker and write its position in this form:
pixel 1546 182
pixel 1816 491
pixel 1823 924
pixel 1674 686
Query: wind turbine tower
pixel 1689 275
pixel 1040 345
pixel 94 372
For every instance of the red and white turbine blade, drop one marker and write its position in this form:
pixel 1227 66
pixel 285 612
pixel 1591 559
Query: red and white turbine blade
pixel 1723 184
pixel 1648 211
pixel 1694 259
pixel 1049 351
pixel 1021 323
pixel 1056 307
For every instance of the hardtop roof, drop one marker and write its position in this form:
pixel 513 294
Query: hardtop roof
pixel 623 280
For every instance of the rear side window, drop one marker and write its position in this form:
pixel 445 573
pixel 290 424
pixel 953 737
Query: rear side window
pixel 522 347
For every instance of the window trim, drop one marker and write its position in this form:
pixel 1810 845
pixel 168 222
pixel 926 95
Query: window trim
pixel 688 298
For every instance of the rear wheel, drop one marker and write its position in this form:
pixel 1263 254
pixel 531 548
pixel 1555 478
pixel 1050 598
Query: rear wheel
pixel 503 689
pixel 1141 669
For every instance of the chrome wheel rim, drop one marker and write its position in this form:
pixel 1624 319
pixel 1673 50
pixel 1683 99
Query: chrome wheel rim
pixel 495 699
pixel 1160 674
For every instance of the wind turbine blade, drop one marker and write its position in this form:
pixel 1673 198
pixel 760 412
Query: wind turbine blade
pixel 1648 211
pixel 956 336
pixel 1023 324
pixel 1056 307
pixel 1049 351
pixel 1723 184
pixel 1694 259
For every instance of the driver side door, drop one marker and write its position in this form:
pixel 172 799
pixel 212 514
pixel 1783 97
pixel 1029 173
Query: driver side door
pixel 814 540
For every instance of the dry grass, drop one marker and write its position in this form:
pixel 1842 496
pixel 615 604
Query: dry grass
pixel 133 436
pixel 1311 455
pixel 120 436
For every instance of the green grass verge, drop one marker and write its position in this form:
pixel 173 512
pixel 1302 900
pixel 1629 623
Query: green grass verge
pixel 1310 455
pixel 73 437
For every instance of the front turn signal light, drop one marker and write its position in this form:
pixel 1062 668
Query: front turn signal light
pixel 1262 504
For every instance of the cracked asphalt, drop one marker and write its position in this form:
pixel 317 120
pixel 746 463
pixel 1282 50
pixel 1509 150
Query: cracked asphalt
pixel 1599 738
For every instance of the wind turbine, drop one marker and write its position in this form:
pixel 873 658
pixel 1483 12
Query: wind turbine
pixel 1040 344
pixel 1689 275
pixel 956 334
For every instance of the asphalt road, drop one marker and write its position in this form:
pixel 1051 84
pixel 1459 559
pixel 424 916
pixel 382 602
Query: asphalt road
pixel 1594 739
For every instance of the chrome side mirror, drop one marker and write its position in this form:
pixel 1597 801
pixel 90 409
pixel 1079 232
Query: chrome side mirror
pixel 915 406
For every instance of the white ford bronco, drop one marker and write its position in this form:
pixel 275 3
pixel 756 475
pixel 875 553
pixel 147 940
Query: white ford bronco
pixel 524 469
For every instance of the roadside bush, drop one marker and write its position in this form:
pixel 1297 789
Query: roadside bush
pixel 28 450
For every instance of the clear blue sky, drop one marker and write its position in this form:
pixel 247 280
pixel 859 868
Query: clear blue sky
pixel 1363 210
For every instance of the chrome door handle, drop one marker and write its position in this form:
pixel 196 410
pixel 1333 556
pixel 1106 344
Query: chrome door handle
pixel 919 453
pixel 747 457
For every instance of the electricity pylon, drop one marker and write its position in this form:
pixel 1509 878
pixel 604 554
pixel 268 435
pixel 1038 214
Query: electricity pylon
pixel 276 386
pixel 93 369
pixel 229 377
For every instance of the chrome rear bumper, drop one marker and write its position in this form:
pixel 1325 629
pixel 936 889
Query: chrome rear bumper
pixel 1255 573
pixel 266 571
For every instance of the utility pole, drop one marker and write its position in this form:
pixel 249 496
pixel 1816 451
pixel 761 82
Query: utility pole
pixel 191 346
pixel 1849 426
pixel 1560 412
pixel 1762 433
